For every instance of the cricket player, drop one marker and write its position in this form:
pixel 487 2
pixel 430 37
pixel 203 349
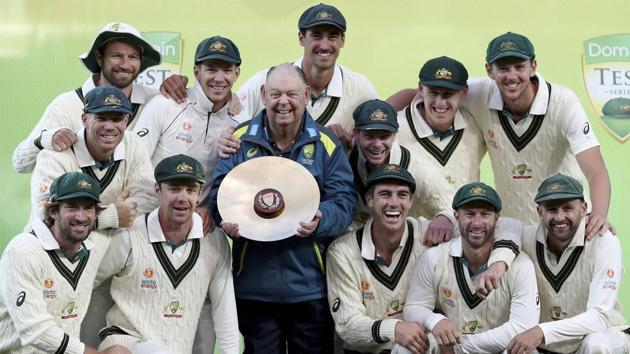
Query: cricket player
pixel 464 321
pixel 578 279
pixel 534 129
pixel 104 151
pixel 375 128
pixel 369 271
pixel 47 274
pixel 116 57
pixel 168 128
pixel 436 127
pixel 163 266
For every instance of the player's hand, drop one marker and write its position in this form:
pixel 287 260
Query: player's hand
pixel 230 229
pixel 208 220
pixel 446 333
pixel 447 349
pixel 489 279
pixel 227 143
pixel 307 228
pixel 63 139
pixel 346 137
pixel 596 225
pixel 126 210
pixel 174 87
pixel 235 106
pixel 411 336
pixel 527 341
pixel 440 230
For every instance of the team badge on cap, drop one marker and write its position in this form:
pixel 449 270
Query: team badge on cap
pixel 443 74
pixel 84 184
pixel 509 45
pixel 323 15
pixel 184 168
pixel 378 116
pixel 112 101
pixel 392 169
pixel 217 46
pixel 476 191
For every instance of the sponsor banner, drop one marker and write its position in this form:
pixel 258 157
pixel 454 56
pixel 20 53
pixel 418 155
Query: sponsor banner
pixel 170 46
pixel 606 71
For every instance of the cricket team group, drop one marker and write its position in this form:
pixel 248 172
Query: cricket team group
pixel 126 251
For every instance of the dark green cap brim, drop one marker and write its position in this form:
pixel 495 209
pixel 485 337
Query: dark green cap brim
pixel 75 195
pixel 508 54
pixel 186 176
pixel 477 198
pixel 443 83
pixel 378 126
pixel 109 108
pixel 219 57
pixel 558 196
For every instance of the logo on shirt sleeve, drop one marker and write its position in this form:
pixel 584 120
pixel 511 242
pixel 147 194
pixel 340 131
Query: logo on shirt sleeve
pixel 20 298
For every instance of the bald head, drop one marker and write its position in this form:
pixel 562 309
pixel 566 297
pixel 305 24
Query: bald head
pixel 285 95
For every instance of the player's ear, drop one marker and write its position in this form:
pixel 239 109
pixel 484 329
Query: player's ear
pixel 489 69
pixel 301 36
pixel 84 119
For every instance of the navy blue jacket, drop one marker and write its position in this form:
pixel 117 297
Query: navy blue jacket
pixel 291 270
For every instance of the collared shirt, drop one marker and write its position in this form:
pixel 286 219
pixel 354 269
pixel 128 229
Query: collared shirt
pixel 334 87
pixel 369 252
pixel 423 128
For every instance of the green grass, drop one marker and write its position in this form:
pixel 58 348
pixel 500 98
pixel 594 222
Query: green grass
pixel 40 42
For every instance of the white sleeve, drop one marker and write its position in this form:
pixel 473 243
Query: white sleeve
pixel 602 296
pixel 221 292
pixel 575 125
pixel 149 125
pixel 421 298
pixel 55 117
pixel 117 257
pixel 49 166
pixel 21 294
pixel 140 182
pixel 524 312
pixel 352 323
pixel 249 94
pixel 508 241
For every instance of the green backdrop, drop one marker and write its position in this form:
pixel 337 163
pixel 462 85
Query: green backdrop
pixel 386 41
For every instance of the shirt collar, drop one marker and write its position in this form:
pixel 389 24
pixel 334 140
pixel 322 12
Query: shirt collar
pixel 335 86
pixel 137 95
pixel 157 235
pixel 422 127
pixel 368 250
pixel 48 241
pixel 456 247
pixel 538 107
pixel 83 154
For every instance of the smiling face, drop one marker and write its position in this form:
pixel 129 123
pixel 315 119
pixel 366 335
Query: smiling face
pixel 120 63
pixel 513 77
pixel 74 219
pixel 440 105
pixel 178 200
pixel 285 96
pixel 103 132
pixel 476 222
pixel 561 218
pixel 390 202
pixel 216 79
pixel 375 145
pixel 322 45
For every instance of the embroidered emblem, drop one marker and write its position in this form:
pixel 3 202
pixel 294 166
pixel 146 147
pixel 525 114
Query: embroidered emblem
pixel 443 74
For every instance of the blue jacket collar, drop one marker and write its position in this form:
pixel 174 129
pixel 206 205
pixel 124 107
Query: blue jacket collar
pixel 256 131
